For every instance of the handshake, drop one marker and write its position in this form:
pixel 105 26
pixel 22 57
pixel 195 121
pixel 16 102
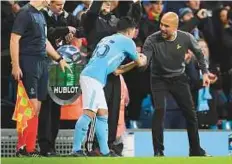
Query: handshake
pixel 142 60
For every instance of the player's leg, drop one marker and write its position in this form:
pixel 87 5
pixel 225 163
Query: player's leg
pixel 81 129
pixel 88 87
pixel 91 141
pixel 102 130
pixel 102 124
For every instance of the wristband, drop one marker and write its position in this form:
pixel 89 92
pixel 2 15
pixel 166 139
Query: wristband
pixel 60 58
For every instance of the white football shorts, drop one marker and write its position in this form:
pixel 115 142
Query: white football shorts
pixel 93 95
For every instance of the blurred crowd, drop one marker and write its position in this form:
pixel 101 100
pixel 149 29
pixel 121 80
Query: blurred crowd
pixel 210 22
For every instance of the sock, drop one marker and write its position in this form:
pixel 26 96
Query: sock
pixel 102 134
pixel 21 139
pixel 31 134
pixel 81 128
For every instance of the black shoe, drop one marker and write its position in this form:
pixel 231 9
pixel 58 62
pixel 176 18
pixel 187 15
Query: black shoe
pixel 111 154
pixel 202 153
pixel 22 152
pixel 79 153
pixel 35 153
pixel 117 149
pixel 49 154
pixel 159 153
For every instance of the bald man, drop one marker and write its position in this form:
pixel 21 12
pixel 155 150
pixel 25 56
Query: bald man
pixel 166 51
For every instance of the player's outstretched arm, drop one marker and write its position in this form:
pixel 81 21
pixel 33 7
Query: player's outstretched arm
pixel 125 68
pixel 142 60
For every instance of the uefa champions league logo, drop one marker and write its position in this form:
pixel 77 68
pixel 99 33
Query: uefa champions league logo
pixel 64 87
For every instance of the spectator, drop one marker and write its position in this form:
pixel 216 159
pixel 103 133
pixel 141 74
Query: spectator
pixel 151 18
pixel 207 109
pixel 62 26
pixel 194 5
pixel 8 12
pixel 190 22
pixel 226 65
pixel 174 6
pixel 81 8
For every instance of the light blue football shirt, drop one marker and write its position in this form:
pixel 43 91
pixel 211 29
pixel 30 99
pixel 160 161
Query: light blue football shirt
pixel 108 56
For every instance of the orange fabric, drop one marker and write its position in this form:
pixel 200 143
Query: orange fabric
pixel 72 111
pixel 24 109
pixel 21 139
pixel 124 102
pixel 31 134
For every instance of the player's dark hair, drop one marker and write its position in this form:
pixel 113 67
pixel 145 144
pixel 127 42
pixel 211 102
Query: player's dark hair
pixel 125 23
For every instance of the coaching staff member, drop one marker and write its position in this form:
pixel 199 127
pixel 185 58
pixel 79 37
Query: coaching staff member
pixel 166 51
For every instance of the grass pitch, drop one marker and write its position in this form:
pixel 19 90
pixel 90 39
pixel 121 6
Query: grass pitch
pixel 122 160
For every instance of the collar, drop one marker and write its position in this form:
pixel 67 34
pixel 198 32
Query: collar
pixel 50 13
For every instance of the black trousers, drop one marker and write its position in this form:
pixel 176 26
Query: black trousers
pixel 113 97
pixel 49 122
pixel 138 84
pixel 180 90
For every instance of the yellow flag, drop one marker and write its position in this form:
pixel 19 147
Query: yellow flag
pixel 24 109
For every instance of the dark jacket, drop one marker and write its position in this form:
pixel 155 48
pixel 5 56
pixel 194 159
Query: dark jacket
pixel 7 23
pixel 58 29
pixel 98 26
pixel 190 25
pixel 227 48
pixel 147 27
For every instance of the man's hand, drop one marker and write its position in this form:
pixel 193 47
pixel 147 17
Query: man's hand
pixel 188 56
pixel 213 78
pixel 202 13
pixel 206 80
pixel 72 29
pixel 143 58
pixel 69 37
pixel 64 65
pixel 17 72
pixel 118 72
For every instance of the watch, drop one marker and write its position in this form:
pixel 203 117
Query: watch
pixel 60 58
